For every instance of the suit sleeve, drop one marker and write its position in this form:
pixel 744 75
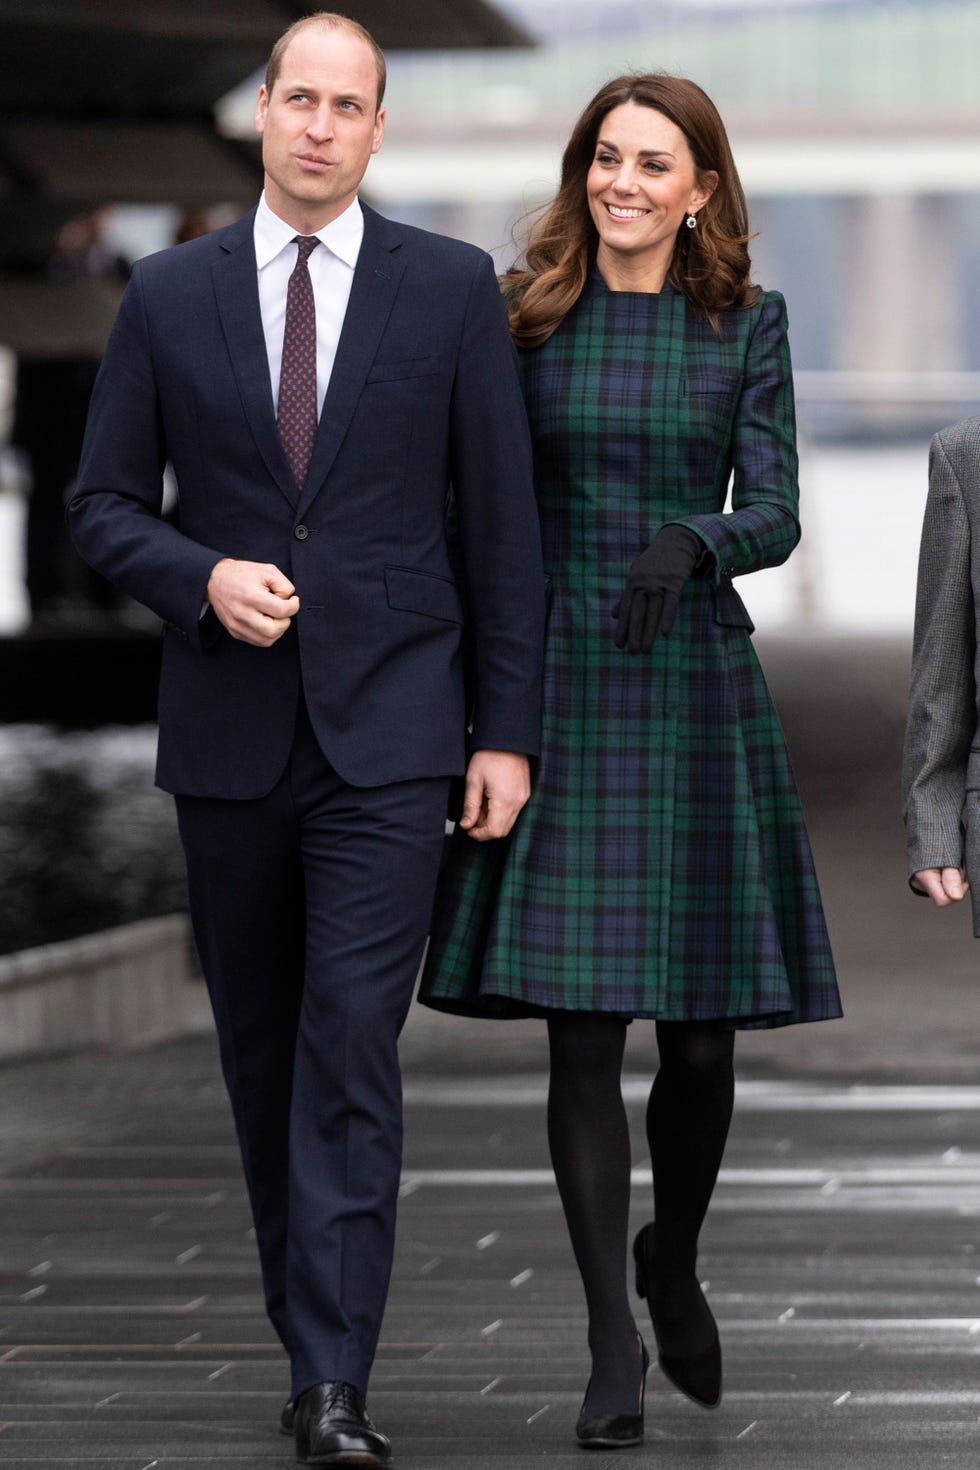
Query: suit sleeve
pixel 114 514
pixel 941 721
pixel 498 526
pixel 762 528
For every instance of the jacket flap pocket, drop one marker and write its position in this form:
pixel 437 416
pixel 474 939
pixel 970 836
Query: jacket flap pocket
pixel 423 592
pixel 730 610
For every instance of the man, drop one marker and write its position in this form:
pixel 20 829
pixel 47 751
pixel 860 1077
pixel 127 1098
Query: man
pixel 941 777
pixel 318 377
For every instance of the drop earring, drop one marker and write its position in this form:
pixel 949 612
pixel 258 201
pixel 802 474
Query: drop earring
pixel 692 222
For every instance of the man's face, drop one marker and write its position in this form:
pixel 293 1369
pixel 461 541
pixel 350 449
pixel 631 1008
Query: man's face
pixel 319 127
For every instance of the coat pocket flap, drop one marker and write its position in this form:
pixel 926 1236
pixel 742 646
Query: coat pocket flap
pixel 423 592
pixel 730 610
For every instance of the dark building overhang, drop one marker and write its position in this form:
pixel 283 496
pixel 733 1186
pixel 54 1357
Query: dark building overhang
pixel 166 58
pixel 112 101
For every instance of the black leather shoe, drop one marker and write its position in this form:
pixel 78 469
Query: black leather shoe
pixel 287 1417
pixel 616 1431
pixel 332 1428
pixel 697 1375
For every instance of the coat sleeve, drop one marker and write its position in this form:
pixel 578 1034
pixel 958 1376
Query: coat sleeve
pixel 114 514
pixel 941 721
pixel 491 468
pixel 762 528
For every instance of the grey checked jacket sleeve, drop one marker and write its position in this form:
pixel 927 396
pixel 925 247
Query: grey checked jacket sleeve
pixel 942 713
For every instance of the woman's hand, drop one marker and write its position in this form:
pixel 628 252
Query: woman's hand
pixel 648 606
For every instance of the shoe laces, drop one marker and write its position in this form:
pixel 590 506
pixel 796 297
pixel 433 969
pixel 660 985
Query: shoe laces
pixel 346 1397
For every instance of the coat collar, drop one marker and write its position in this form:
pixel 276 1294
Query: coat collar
pixel 376 279
pixel 341 237
pixel 236 289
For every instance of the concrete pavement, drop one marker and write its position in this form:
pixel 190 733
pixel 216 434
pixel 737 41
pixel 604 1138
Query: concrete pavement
pixel 843 1254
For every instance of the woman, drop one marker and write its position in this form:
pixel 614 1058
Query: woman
pixel 661 868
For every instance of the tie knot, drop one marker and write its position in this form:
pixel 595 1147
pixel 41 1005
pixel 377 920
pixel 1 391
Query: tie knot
pixel 307 244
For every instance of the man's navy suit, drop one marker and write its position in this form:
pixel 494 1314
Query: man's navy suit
pixel 349 726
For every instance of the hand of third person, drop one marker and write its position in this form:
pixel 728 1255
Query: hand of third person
pixel 253 600
pixel 943 885
pixel 498 783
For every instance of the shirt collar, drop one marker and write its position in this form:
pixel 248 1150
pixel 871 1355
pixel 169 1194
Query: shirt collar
pixel 342 236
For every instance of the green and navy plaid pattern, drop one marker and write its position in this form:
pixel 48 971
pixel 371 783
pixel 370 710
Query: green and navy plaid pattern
pixel 661 867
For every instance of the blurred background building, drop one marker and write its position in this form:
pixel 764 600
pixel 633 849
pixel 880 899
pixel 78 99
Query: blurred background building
pixel 855 126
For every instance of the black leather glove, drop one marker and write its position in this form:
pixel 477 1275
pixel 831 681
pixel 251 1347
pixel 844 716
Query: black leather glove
pixel 648 606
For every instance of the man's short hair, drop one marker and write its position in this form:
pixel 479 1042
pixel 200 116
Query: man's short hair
pixel 330 20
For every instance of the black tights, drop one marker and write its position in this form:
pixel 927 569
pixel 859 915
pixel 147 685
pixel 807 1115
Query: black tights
pixel 688 1114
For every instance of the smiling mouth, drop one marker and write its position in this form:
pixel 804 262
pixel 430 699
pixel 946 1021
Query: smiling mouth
pixel 619 211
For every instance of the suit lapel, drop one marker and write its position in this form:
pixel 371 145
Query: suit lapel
pixel 379 269
pixel 237 291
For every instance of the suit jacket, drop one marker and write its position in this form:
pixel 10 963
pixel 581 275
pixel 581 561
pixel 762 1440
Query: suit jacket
pixel 424 396
pixel 941 771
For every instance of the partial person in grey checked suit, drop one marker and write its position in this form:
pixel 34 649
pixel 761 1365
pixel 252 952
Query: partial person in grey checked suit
pixel 941 775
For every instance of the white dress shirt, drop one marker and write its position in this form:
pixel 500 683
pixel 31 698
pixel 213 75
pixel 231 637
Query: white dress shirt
pixel 331 267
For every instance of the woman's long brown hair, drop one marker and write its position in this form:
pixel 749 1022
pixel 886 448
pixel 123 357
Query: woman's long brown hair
pixel 710 264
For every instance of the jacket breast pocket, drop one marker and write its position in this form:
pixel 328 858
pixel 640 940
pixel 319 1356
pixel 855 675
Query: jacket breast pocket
pixel 405 367
pixel 711 395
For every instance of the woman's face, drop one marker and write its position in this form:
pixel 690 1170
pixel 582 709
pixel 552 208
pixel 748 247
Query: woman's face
pixel 641 186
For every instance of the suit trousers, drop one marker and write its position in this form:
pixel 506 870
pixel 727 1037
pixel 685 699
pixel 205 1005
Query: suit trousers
pixel 310 908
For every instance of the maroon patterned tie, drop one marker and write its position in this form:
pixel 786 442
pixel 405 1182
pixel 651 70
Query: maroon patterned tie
pixel 296 409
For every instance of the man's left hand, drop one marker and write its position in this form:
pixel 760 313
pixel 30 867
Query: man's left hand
pixel 498 783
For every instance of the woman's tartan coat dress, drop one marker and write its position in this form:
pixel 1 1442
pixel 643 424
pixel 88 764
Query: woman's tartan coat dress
pixel 661 867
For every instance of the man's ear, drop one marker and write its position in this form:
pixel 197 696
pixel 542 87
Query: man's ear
pixel 379 130
pixel 261 108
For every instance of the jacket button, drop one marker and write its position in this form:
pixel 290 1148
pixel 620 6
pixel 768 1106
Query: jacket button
pixel 301 532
